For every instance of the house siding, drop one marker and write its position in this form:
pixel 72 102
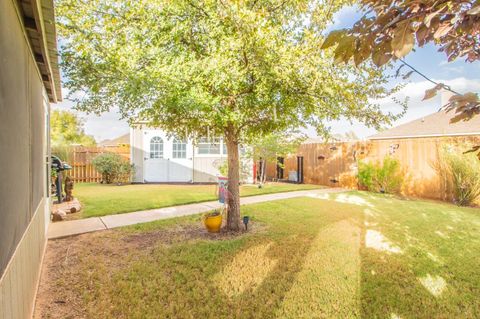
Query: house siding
pixel 19 283
pixel 204 168
pixel 24 205
pixel 136 149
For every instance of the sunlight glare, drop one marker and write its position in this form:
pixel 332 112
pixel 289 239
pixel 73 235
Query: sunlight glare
pixel 353 199
pixel 435 285
pixel 376 240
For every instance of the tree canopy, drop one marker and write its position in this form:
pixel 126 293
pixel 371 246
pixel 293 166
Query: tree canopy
pixel 67 129
pixel 240 69
pixel 390 29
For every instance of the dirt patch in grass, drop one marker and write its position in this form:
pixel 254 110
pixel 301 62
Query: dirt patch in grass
pixel 60 291
pixel 183 233
pixel 72 265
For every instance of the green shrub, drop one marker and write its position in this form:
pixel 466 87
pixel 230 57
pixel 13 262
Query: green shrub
pixel 463 171
pixel 113 168
pixel 125 172
pixel 365 175
pixel 385 177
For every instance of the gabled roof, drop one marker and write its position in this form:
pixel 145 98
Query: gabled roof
pixel 124 139
pixel 436 124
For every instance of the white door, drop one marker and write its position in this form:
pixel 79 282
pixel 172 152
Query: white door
pixel 181 162
pixel 155 164
pixel 166 159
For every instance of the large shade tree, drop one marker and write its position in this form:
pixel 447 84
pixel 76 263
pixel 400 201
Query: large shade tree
pixel 237 69
pixel 67 129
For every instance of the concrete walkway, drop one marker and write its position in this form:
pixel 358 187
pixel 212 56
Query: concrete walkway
pixel 80 226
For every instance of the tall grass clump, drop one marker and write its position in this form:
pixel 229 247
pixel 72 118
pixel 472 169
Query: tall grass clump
pixel 64 152
pixel 463 174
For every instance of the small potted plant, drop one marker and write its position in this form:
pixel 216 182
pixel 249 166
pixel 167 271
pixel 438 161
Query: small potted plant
pixel 213 221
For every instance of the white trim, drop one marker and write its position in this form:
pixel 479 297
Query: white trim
pixel 210 155
pixel 421 136
pixel 130 140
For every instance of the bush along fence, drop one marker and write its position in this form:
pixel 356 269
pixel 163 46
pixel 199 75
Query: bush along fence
pixel 81 159
pixel 421 169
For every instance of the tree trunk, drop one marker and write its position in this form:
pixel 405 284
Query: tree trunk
pixel 233 211
pixel 264 171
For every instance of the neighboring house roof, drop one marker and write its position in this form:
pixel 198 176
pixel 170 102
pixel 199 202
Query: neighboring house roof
pixel 124 139
pixel 39 23
pixel 436 124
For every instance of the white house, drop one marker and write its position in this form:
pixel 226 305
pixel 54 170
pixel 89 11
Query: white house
pixel 159 158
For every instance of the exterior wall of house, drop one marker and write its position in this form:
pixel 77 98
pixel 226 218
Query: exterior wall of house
pixel 136 152
pixel 206 168
pixel 24 202
pixel 202 168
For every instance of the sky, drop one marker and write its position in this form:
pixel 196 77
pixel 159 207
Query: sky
pixel 459 75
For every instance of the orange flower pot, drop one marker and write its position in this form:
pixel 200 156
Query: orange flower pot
pixel 213 222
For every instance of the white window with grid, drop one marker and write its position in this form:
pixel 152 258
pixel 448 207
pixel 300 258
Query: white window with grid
pixel 208 146
pixel 156 147
pixel 179 149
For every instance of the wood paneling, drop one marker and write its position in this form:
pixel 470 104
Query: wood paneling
pixel 336 164
pixel 331 165
pixel 419 158
pixel 80 158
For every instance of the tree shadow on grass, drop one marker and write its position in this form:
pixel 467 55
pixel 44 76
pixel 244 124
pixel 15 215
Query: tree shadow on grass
pixel 271 270
pixel 434 275
pixel 314 268
pixel 348 256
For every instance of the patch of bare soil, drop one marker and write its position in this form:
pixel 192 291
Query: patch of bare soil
pixel 71 264
pixel 183 233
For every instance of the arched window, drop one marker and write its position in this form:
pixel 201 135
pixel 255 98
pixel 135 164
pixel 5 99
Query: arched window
pixel 179 148
pixel 156 147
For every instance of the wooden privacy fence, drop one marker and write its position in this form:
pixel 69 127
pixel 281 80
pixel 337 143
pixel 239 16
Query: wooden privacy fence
pixel 336 164
pixel 328 164
pixel 80 158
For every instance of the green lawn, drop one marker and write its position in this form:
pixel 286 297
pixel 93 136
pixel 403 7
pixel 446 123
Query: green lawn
pixel 347 255
pixel 101 200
